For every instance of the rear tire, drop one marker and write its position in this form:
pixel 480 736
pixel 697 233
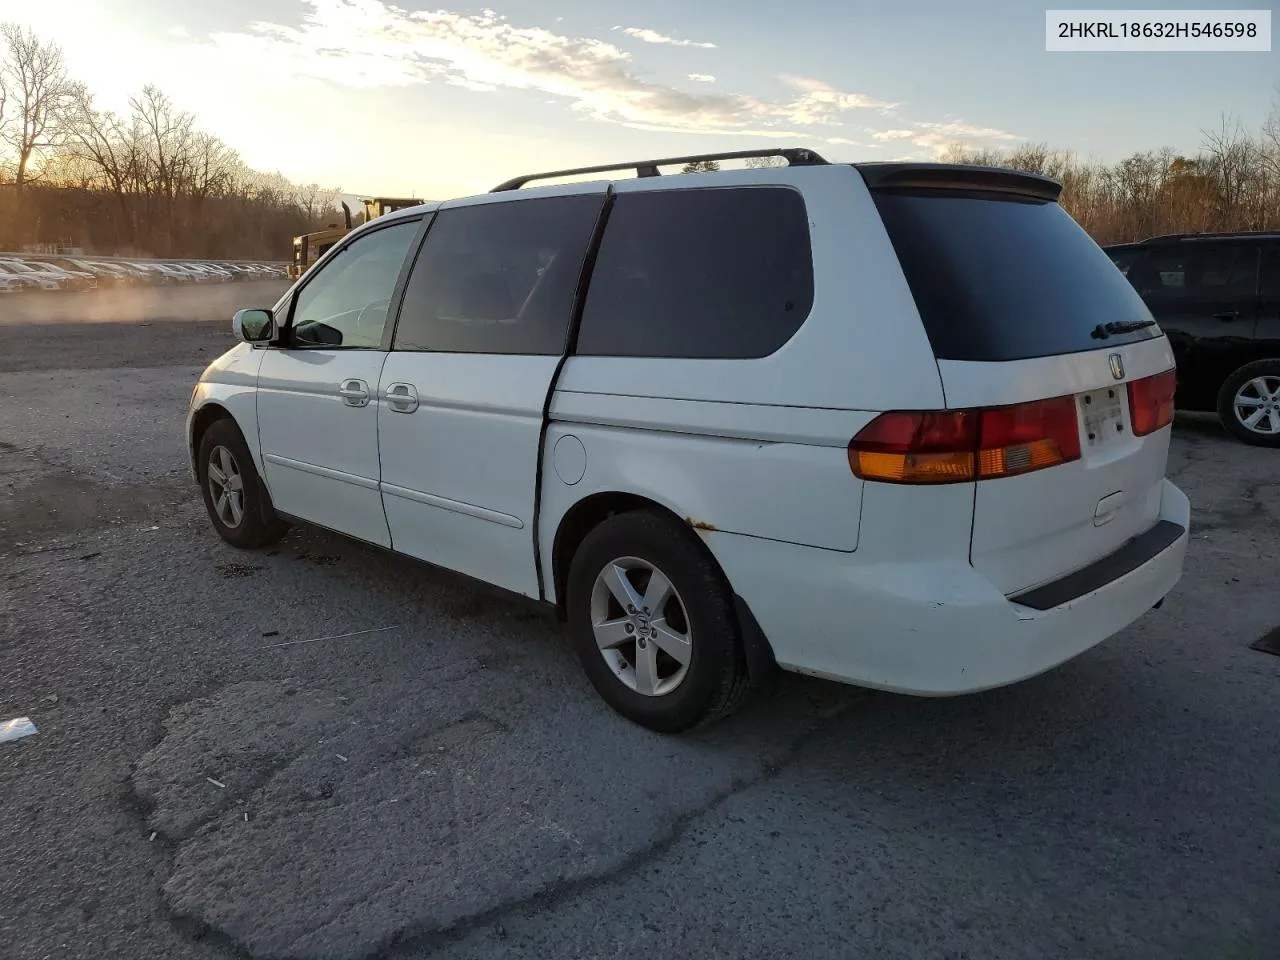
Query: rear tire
pixel 1249 403
pixel 234 496
pixel 634 660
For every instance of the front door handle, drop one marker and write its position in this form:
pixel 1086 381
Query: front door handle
pixel 402 397
pixel 1229 315
pixel 354 393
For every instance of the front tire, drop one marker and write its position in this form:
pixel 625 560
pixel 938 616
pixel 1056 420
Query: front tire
pixel 653 623
pixel 1249 403
pixel 233 495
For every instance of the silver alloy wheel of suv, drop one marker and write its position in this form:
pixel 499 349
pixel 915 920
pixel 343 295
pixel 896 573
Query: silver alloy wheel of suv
pixel 1257 405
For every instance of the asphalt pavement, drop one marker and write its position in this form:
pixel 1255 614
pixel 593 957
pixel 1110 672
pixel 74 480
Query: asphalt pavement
pixel 230 765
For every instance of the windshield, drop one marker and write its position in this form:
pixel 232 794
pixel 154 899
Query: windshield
pixel 1007 278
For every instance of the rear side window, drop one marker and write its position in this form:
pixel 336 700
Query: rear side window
pixel 1197 270
pixel 700 273
pixel 498 277
pixel 1124 259
pixel 1006 278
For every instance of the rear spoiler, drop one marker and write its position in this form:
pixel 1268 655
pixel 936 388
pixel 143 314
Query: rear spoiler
pixel 959 177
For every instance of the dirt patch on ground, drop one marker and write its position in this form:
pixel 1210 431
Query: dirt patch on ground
pixel 39 501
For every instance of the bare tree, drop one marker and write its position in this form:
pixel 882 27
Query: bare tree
pixel 37 93
pixel 1233 183
pixel 963 153
pixel 1232 155
pixel 4 95
pixel 1271 141
pixel 316 201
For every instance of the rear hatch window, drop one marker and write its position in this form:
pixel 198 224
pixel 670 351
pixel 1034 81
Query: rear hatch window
pixel 1006 277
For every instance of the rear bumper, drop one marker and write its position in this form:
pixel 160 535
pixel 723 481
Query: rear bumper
pixel 932 628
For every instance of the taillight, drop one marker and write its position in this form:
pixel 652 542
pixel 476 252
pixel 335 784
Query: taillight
pixel 1151 402
pixel 960 446
pixel 1028 436
pixel 916 447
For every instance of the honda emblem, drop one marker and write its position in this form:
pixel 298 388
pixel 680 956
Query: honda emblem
pixel 1117 366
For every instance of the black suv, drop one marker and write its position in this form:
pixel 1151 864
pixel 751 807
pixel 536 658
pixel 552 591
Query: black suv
pixel 1217 296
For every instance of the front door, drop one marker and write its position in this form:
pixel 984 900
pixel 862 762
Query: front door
pixel 480 334
pixel 317 392
pixel 1202 293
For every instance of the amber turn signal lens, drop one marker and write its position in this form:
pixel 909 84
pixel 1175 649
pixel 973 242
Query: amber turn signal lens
pixel 959 446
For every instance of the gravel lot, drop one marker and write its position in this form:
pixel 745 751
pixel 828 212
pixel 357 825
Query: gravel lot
pixel 207 785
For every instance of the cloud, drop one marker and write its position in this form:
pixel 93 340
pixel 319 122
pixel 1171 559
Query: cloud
pixel 820 103
pixel 371 43
pixel 936 137
pixel 653 36
pixel 965 131
pixel 363 44
pixel 179 31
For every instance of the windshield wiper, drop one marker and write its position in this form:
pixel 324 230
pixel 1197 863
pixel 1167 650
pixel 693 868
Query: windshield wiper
pixel 1104 330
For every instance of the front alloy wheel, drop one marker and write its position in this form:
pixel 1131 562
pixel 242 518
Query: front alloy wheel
pixel 226 486
pixel 238 503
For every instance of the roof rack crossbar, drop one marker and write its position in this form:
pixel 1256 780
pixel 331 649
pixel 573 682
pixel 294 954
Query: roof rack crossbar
pixel 795 156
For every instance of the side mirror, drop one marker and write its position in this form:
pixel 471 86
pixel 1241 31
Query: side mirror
pixel 253 326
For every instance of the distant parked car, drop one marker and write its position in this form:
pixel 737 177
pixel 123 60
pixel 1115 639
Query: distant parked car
pixel 32 279
pixel 107 274
pixel 243 271
pixel 216 270
pixel 156 272
pixel 75 278
pixel 129 273
pixel 1217 296
pixel 65 279
pixel 199 272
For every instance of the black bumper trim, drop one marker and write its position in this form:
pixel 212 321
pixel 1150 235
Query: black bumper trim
pixel 1101 572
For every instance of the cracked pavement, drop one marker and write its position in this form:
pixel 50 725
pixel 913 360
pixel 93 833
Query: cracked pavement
pixel 203 785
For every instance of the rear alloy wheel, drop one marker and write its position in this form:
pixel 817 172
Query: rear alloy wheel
pixel 641 627
pixel 237 503
pixel 1249 403
pixel 654 624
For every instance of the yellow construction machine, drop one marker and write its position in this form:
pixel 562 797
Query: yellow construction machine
pixel 310 247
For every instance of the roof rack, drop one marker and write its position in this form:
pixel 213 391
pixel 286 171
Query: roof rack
pixel 795 156
pixel 1224 235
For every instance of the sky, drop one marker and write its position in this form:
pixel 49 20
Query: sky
pixel 439 98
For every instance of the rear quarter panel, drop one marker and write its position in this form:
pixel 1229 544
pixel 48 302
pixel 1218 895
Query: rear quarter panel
pixel 771 473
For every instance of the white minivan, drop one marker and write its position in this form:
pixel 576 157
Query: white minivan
pixel 901 425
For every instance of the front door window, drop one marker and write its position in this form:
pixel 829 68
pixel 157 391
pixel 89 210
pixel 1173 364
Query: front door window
pixel 345 303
